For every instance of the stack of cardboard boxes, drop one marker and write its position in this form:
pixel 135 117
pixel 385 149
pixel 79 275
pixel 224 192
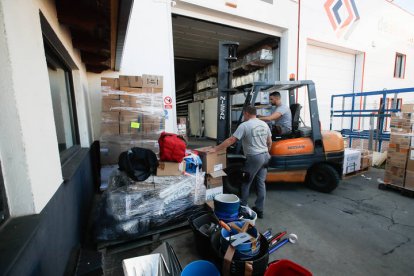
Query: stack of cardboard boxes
pixel 132 114
pixel 399 169
pixel 213 165
pixel 366 159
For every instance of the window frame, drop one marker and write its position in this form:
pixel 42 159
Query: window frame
pixel 402 66
pixel 57 55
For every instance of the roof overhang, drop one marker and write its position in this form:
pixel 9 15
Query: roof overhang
pixel 98 30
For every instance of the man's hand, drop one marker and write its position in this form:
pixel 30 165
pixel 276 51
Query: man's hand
pixel 212 149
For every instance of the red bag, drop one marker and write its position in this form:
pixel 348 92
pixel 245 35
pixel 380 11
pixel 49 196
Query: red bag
pixel 172 147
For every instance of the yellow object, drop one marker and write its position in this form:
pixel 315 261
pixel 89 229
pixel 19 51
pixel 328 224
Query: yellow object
pixel 135 125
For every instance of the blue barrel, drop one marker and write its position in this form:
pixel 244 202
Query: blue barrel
pixel 200 268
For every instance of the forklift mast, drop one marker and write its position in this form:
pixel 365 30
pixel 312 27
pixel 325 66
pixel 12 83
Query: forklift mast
pixel 227 55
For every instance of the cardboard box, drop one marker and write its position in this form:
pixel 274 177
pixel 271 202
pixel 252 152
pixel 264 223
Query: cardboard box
pixel 130 122
pixel 410 160
pixel 211 193
pixel 212 161
pixel 352 161
pixel 135 81
pixel 170 168
pixel 389 178
pixel 407 108
pixel 110 104
pixel 109 129
pixel 366 161
pixel 110 117
pixel 131 89
pixel 152 81
pixel 409 180
pixel 113 83
pixel 214 179
pixel 397 159
pixel 152 90
pixel 124 81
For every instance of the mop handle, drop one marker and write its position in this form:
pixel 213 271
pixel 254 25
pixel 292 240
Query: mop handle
pixel 282 243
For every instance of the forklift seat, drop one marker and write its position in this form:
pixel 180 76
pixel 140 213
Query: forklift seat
pixel 295 110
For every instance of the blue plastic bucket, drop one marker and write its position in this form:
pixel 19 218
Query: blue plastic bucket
pixel 226 204
pixel 200 268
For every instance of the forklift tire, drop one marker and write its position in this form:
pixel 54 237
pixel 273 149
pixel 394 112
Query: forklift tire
pixel 323 178
pixel 233 181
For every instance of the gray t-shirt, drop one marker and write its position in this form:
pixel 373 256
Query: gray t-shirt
pixel 253 134
pixel 286 120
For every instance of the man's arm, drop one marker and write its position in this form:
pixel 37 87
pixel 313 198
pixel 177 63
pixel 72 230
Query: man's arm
pixel 275 116
pixel 226 143
pixel 269 142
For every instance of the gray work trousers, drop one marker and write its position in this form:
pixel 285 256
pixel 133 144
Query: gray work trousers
pixel 256 166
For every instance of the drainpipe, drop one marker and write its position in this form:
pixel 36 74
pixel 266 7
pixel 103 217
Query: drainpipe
pixel 297 52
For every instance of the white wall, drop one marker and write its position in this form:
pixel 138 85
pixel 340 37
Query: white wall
pixel 382 30
pixel 28 144
pixel 149 48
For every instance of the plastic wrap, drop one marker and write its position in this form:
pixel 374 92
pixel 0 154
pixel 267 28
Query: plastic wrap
pixel 131 117
pixel 129 209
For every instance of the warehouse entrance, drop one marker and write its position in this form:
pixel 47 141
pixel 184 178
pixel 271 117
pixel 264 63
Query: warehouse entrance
pixel 196 44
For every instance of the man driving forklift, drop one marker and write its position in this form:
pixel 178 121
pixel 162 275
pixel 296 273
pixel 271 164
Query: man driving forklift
pixel 281 118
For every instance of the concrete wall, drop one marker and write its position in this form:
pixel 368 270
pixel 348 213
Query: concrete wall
pixel 28 144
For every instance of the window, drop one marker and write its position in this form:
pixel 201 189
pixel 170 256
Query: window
pixel 62 100
pixel 60 66
pixel 399 68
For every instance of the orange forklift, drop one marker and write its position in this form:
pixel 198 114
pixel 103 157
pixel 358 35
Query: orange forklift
pixel 307 154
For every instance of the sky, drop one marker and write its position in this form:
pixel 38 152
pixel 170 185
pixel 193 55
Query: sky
pixel 405 4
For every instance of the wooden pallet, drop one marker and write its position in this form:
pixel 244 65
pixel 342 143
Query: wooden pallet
pixel 402 190
pixel 151 237
pixel 355 173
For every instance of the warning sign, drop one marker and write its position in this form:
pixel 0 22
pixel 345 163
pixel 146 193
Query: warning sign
pixel 168 100
pixel 168 106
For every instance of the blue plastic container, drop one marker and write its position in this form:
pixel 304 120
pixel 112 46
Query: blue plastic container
pixel 226 204
pixel 200 268
pixel 245 250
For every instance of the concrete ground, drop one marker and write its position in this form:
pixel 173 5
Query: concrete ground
pixel 355 230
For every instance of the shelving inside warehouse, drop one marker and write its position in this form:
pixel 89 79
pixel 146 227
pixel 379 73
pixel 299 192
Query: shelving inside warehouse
pixel 196 44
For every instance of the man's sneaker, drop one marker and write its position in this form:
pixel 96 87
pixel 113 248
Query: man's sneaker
pixel 259 213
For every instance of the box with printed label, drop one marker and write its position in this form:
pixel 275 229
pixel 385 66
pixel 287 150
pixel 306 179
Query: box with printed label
pixel 212 161
pixel 211 193
pixel 352 161
pixel 170 168
pixel 152 81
